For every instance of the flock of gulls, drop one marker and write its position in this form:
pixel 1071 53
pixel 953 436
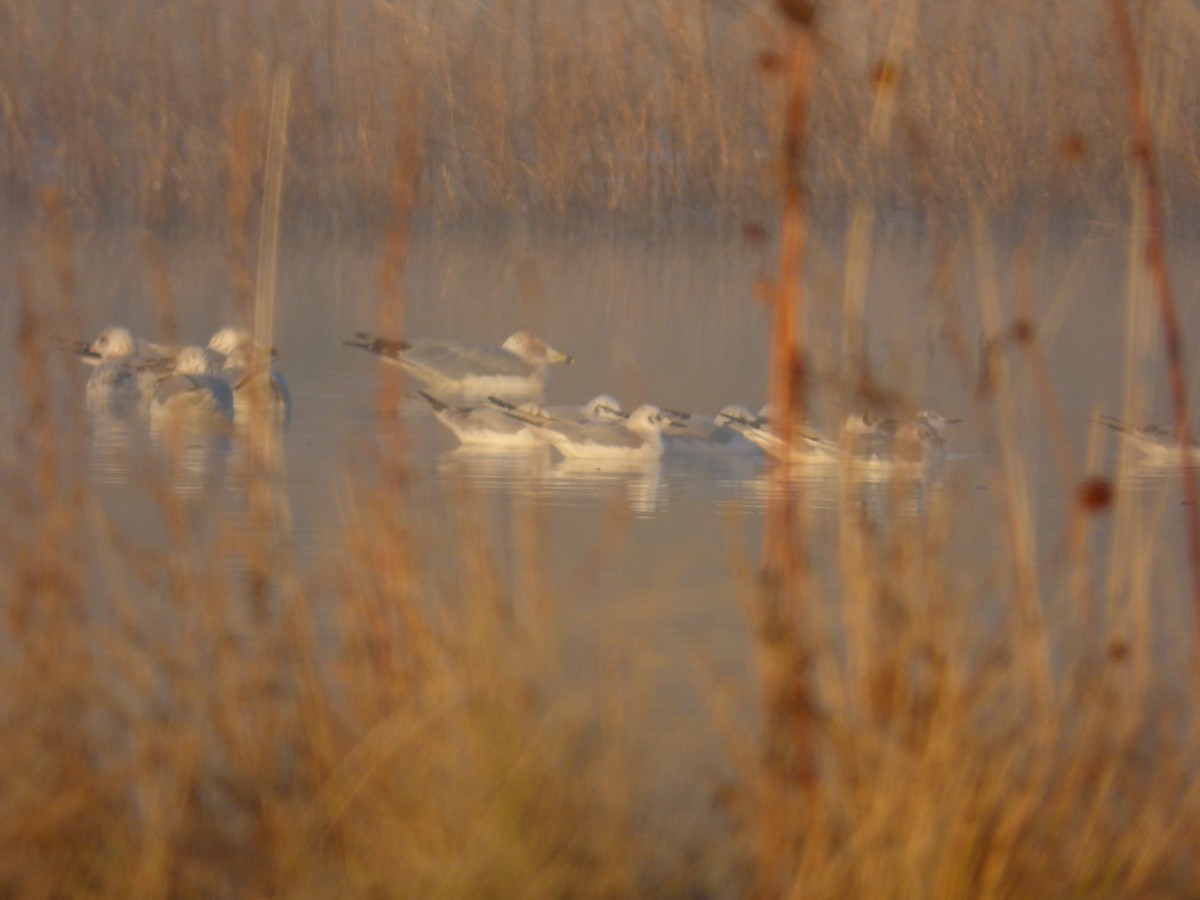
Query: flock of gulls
pixel 491 398
pixel 212 386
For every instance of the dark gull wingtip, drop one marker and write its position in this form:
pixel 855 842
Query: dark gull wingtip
pixel 378 345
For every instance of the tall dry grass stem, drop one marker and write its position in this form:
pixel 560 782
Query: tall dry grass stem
pixel 998 417
pixel 406 177
pixel 1156 261
pixel 268 512
pixel 784 658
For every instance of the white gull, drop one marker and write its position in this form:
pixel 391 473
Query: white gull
pixel 1159 445
pixel 637 438
pixel 255 381
pixel 517 368
pixel 693 434
pixel 488 425
pixel 125 377
pixel 191 394
pixel 806 446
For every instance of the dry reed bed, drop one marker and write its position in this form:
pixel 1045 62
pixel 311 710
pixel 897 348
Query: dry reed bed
pixel 178 723
pixel 571 107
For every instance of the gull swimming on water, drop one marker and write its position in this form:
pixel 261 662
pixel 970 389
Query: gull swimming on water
pixel 716 434
pixel 191 394
pixel 517 368
pixel 489 426
pixel 244 379
pixel 1159 445
pixel 806 446
pixel 639 438
pixel 926 425
pixel 126 372
pixel 912 440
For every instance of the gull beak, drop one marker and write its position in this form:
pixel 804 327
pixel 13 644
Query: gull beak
pixel 553 356
pixel 82 349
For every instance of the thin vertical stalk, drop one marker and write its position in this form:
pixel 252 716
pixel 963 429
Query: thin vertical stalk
pixel 1156 262
pixel 999 421
pixel 406 172
pixel 1028 337
pixel 263 440
pixel 789 764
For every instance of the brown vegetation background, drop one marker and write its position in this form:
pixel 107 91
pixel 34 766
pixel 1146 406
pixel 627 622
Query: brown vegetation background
pixel 140 110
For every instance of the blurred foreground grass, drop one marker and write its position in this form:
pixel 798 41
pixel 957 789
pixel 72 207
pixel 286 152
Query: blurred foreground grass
pixel 209 716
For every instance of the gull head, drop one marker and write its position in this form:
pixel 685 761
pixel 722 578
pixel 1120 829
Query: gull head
pixel 605 408
pixel 229 339
pixel 736 413
pixel 113 343
pixel 861 422
pixel 192 361
pixel 935 421
pixel 534 350
pixel 648 419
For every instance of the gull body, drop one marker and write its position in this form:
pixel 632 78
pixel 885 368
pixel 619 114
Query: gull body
pixel 191 394
pixel 488 425
pixel 1158 445
pixel 517 368
pixel 250 382
pixel 124 378
pixel 637 438
pixel 927 425
pixel 807 445
pixel 718 434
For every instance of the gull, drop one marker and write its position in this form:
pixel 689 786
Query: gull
pixel 927 425
pixel 254 381
pixel 806 446
pixel 191 393
pixel 717 434
pixel 489 426
pixel 127 371
pixel 914 440
pixel 911 440
pixel 637 438
pixel 1159 445
pixel 516 368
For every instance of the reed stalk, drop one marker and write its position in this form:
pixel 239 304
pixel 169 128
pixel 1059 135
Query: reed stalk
pixel 784 657
pixel 1156 260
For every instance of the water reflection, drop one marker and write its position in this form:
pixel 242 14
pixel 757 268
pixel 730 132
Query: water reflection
pixel 880 492
pixel 520 469
pixel 112 449
pixel 641 480
pixel 195 459
pixel 126 450
pixel 538 472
